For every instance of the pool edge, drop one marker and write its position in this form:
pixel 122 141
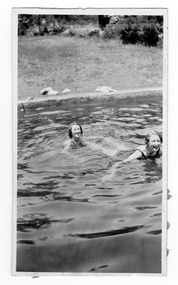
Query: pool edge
pixel 120 94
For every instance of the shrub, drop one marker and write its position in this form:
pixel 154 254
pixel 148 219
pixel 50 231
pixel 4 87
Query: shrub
pixel 130 35
pixel 109 33
pixel 146 30
pixel 93 33
pixel 150 36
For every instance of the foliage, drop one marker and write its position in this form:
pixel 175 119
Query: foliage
pixel 130 35
pixel 147 30
pixel 29 24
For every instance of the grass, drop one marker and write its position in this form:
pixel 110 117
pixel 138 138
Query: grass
pixel 84 64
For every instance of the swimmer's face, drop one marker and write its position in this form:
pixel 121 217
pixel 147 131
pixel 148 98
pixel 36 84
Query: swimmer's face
pixel 76 132
pixel 154 142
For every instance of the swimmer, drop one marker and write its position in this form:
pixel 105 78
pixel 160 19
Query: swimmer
pixel 151 149
pixel 75 133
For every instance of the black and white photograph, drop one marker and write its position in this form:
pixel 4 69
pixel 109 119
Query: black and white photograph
pixel 90 141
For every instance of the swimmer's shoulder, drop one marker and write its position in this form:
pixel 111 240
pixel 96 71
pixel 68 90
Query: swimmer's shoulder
pixel 142 149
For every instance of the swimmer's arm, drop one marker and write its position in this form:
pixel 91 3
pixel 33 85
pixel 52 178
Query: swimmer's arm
pixel 66 146
pixel 112 172
pixel 137 154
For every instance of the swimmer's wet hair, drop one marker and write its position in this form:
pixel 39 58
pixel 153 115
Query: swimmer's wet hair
pixel 70 129
pixel 147 138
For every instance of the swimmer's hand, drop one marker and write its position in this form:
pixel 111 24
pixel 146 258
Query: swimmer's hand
pixel 67 145
pixel 110 176
pixel 107 177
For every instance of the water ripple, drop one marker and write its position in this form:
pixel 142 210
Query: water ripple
pixel 106 196
pixel 124 230
pixel 69 198
pixel 36 221
pixel 145 208
pixel 155 232
pixel 97 268
pixel 51 184
pixel 32 193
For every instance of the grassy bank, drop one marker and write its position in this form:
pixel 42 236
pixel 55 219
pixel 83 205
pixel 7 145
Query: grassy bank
pixel 84 64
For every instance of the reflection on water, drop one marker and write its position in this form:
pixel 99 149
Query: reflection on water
pixel 69 220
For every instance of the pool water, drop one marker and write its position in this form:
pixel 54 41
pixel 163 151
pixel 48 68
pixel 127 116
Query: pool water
pixel 68 218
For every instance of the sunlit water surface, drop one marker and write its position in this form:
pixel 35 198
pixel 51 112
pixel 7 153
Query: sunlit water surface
pixel 69 220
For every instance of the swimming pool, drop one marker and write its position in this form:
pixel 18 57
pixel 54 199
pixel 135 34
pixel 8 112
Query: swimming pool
pixel 68 219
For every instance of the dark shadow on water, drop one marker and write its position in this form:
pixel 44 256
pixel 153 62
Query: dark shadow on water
pixel 156 232
pixel 96 269
pixel 23 241
pixel 106 196
pixel 156 215
pixel 19 176
pixel 145 208
pixel 22 166
pixel 124 230
pixel 25 226
pixel 37 221
pixel 51 184
pixel 32 193
pixel 157 193
pixel 105 188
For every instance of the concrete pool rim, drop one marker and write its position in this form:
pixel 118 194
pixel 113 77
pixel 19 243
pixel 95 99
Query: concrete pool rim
pixel 118 94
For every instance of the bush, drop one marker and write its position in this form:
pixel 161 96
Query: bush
pixel 109 33
pixel 93 33
pixel 141 29
pixel 150 36
pixel 130 35
pixel 145 30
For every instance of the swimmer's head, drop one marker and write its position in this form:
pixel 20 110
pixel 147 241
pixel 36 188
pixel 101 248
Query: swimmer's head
pixel 75 130
pixel 153 139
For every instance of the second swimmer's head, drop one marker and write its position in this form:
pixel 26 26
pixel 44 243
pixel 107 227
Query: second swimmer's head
pixel 75 131
pixel 153 140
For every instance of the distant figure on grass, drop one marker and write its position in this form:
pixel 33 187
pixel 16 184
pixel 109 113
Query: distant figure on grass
pixel 151 149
